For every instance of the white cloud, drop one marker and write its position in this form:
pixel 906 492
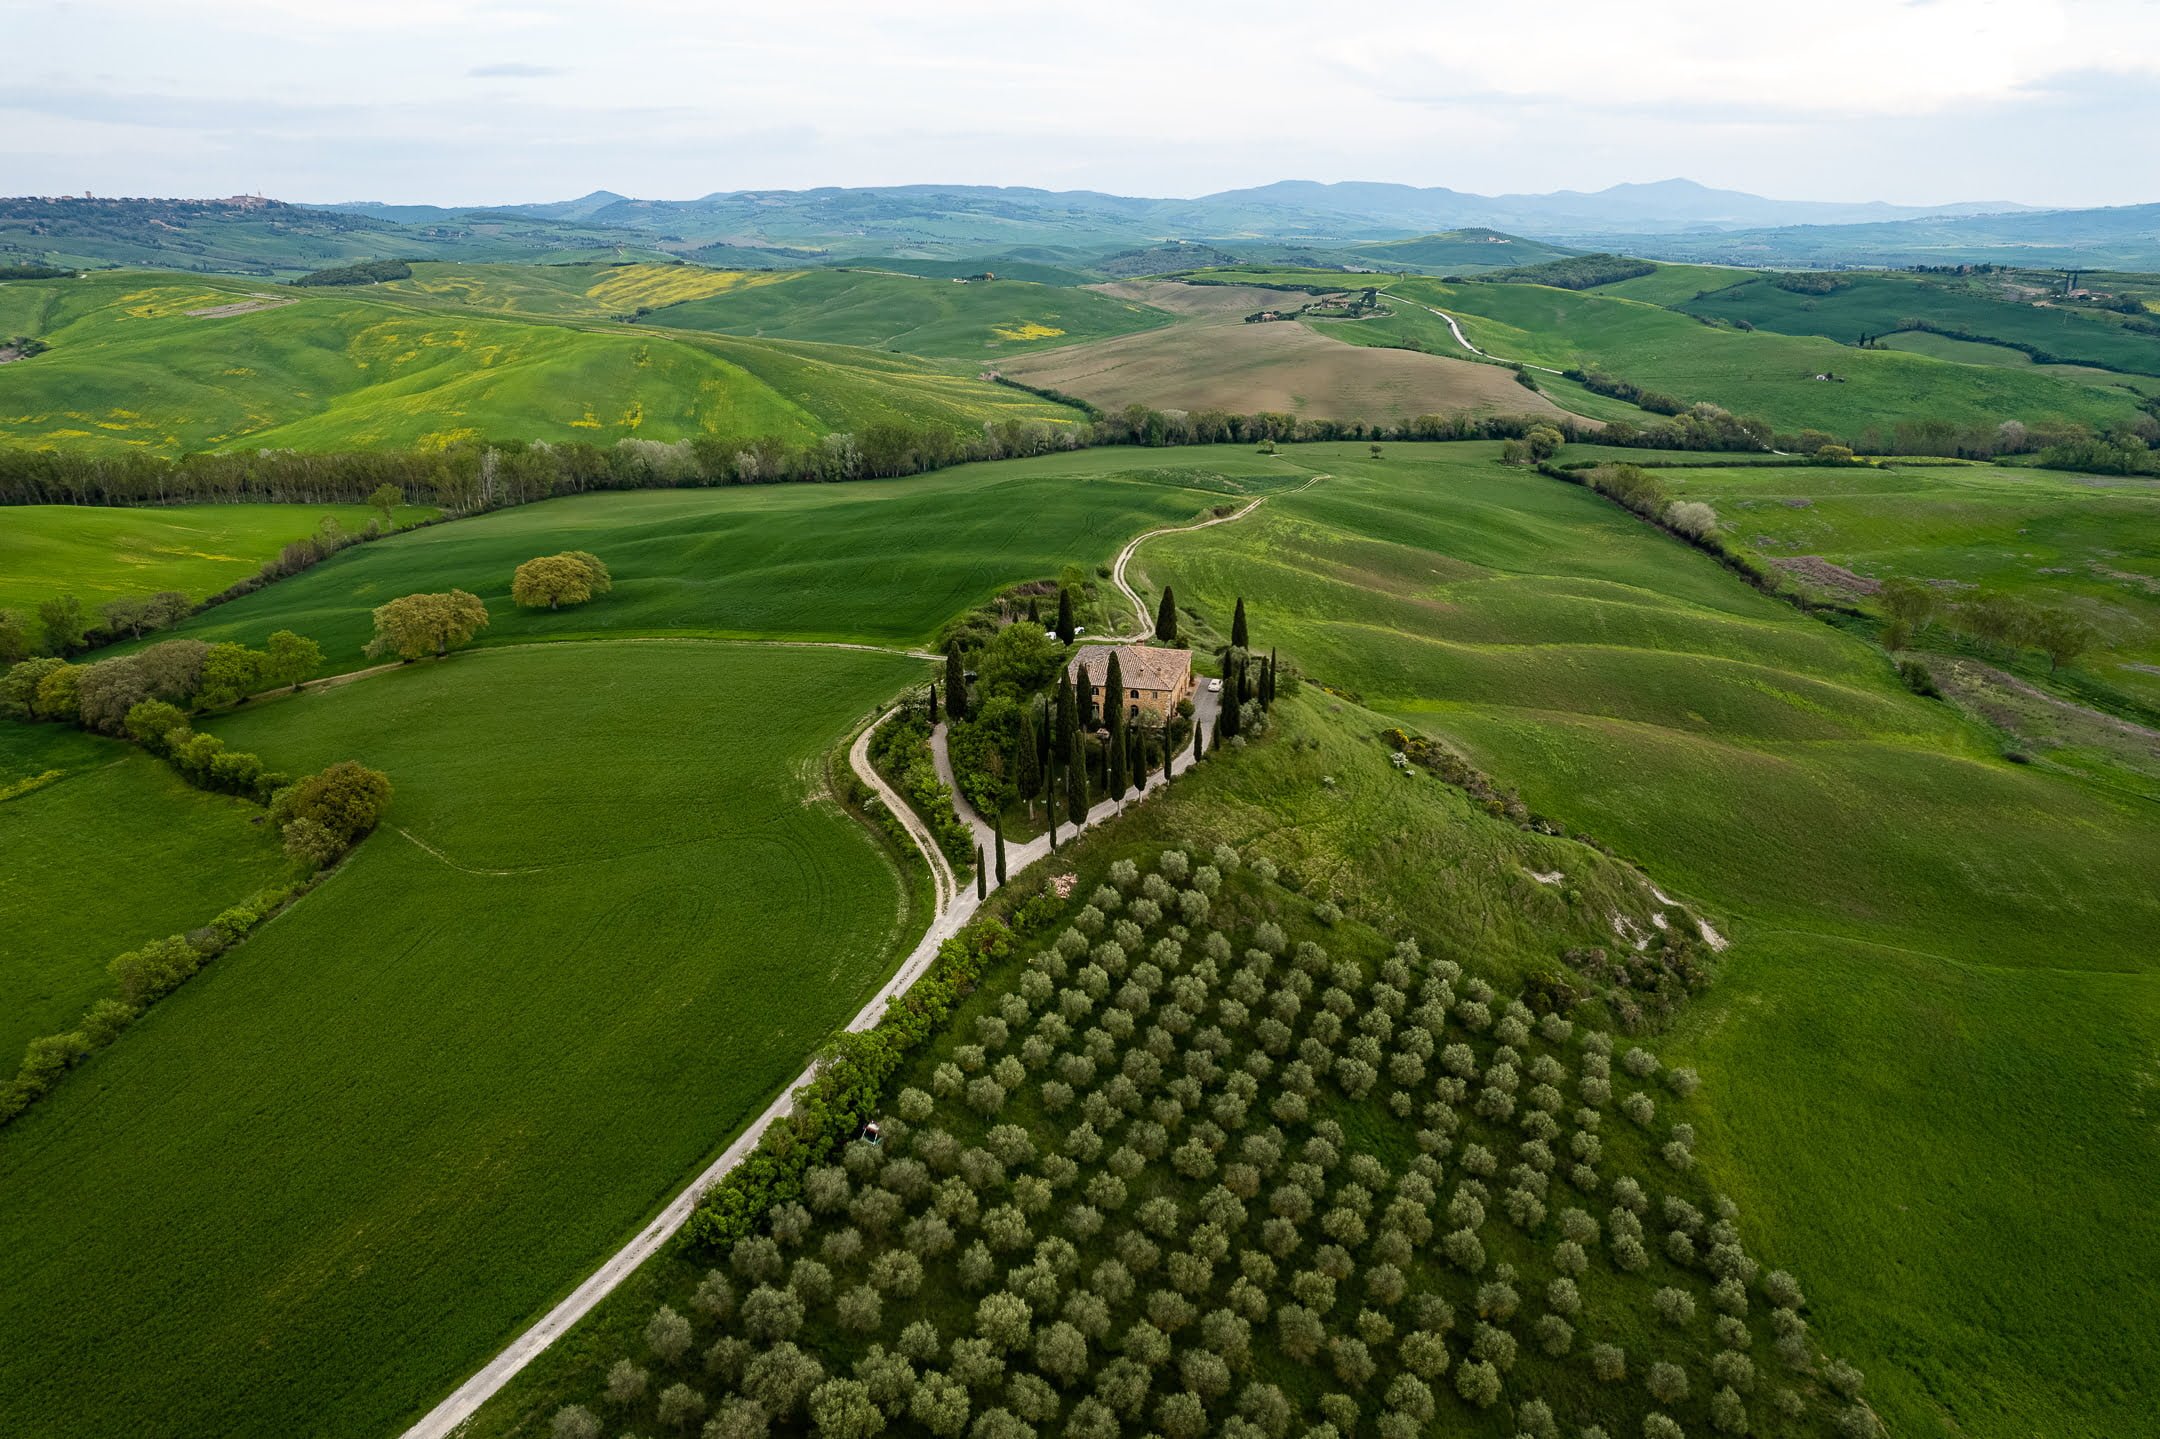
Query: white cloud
pixel 1837 99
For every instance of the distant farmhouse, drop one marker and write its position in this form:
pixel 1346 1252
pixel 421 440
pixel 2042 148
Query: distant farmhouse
pixel 1156 680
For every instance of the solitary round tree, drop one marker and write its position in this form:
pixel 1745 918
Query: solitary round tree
pixel 570 578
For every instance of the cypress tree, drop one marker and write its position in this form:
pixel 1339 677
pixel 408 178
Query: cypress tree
pixel 956 704
pixel 1267 683
pixel 1065 629
pixel 998 832
pixel 1027 764
pixel 1169 757
pixel 933 703
pixel 1166 618
pixel 1084 698
pixel 1067 720
pixel 1034 612
pixel 1114 761
pixel 1076 785
pixel 1136 758
pixel 1050 799
pixel 982 880
pixel 1226 722
pixel 1115 758
pixel 1237 625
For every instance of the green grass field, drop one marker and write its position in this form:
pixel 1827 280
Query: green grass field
pixel 1673 285
pixel 106 849
pixel 877 561
pixel 132 364
pixel 1879 304
pixel 326 1178
pixel 1939 1002
pixel 1765 375
pixel 102 553
pixel 2085 542
pixel 914 315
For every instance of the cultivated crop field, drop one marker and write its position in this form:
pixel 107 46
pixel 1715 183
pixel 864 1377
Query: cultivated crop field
pixel 883 562
pixel 1220 362
pixel 109 553
pixel 175 363
pixel 1927 986
pixel 106 848
pixel 326 1178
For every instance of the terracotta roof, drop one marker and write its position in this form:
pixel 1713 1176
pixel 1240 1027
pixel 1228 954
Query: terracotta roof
pixel 1142 667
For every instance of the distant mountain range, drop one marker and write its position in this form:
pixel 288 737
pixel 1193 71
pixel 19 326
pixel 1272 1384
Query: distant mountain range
pixel 1357 224
pixel 1289 210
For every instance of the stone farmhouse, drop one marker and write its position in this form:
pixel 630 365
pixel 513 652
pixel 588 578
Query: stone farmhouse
pixel 1156 680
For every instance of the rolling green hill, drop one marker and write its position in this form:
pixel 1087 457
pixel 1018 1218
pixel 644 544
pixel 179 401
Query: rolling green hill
pixel 922 316
pixel 1904 1033
pixel 267 237
pixel 2077 541
pixel 875 561
pixel 1845 307
pixel 1769 376
pixel 171 363
pixel 100 554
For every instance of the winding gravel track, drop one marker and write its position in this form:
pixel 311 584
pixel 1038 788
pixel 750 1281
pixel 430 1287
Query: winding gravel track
pixel 1464 340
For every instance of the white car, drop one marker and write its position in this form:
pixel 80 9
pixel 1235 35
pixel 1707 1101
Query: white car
pixel 1214 686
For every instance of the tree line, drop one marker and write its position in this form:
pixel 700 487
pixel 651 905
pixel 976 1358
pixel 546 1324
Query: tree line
pixel 468 477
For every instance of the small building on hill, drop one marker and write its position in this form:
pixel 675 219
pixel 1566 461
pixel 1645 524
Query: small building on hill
pixel 1156 679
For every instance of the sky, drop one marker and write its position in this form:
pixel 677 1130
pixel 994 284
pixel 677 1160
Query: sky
pixel 468 102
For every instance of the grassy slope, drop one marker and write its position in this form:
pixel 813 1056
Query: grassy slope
pixel 882 561
pixel 1765 375
pixel 1907 905
pixel 329 1175
pixel 113 853
pixel 1406 854
pixel 585 292
pixel 2092 544
pixel 1673 284
pixel 102 554
pixel 129 366
pixel 1880 304
pixel 915 315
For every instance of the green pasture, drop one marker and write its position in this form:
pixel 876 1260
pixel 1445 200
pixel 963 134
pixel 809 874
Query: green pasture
pixel 942 317
pixel 1765 375
pixel 2089 543
pixel 102 553
pixel 331 1175
pixel 1878 304
pixel 106 849
pixel 876 561
pixel 1773 769
pixel 131 367
pixel 1674 285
